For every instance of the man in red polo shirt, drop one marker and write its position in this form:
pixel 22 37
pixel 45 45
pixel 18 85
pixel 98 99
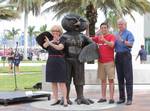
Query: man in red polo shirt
pixel 106 67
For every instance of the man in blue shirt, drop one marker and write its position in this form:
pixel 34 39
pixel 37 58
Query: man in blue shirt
pixel 143 55
pixel 123 60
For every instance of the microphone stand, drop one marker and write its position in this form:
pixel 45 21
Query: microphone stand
pixel 15 77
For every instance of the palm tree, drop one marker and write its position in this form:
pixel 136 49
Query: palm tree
pixel 11 34
pixel 119 7
pixel 26 6
pixel 43 28
pixel 91 15
pixel 31 33
pixel 7 12
pixel 111 19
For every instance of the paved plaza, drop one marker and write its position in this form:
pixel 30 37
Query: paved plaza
pixel 141 102
pixel 141 98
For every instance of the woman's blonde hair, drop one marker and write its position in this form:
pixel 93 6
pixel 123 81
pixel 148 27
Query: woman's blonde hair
pixel 57 28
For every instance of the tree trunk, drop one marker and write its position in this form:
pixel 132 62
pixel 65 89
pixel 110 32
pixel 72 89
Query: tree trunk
pixel 25 35
pixel 92 29
pixel 91 15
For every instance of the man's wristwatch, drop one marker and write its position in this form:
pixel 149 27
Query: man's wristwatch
pixel 122 41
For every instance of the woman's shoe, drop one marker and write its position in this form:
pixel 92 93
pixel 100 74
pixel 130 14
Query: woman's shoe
pixel 111 101
pixel 101 100
pixel 57 102
pixel 65 105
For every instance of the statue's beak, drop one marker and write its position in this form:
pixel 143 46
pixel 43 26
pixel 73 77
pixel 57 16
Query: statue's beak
pixel 77 23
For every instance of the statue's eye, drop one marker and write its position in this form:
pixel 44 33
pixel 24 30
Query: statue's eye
pixel 72 21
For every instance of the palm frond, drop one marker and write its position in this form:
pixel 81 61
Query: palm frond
pixel 61 7
pixel 28 5
pixel 8 14
pixel 119 7
pixel 8 11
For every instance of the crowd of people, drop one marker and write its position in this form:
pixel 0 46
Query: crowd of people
pixel 14 59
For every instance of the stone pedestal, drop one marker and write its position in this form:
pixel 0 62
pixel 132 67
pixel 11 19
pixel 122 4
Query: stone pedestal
pixel 141 75
pixel 46 86
pixel 91 77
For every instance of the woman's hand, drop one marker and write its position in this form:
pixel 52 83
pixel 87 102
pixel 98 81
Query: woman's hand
pixel 46 43
pixel 50 43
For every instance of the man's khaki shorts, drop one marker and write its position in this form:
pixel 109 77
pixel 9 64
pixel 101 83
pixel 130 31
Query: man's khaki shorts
pixel 106 70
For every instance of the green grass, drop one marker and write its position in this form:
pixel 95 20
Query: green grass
pixel 23 69
pixel 25 80
pixel 7 82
